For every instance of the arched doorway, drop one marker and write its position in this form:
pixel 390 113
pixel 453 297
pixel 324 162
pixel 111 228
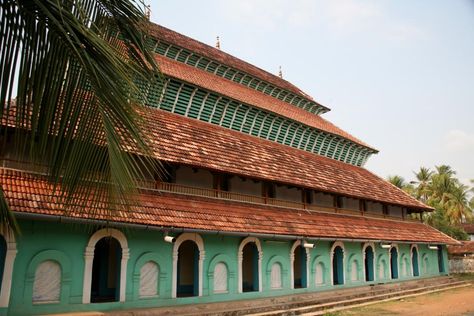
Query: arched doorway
pixel 105 285
pixel 3 255
pixel 338 266
pixel 440 260
pixel 7 261
pixel 249 256
pixel 107 238
pixel 250 277
pixel 300 268
pixel 414 262
pixel 187 269
pixel 188 264
pixel 369 263
pixel 394 262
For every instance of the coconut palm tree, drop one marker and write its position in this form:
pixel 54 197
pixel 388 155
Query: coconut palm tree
pixel 72 66
pixel 442 184
pixel 457 205
pixel 445 169
pixel 423 177
pixel 397 181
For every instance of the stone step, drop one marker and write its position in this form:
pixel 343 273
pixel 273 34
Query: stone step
pixel 301 300
pixel 268 305
pixel 340 308
pixel 321 308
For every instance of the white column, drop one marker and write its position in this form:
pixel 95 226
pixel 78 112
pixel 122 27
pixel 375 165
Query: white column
pixel 292 269
pixel 240 259
pixel 202 256
pixel 308 262
pixel 7 274
pixel 260 257
pixel 86 290
pixel 175 274
pixel 123 273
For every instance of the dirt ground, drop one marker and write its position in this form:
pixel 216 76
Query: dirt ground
pixel 452 302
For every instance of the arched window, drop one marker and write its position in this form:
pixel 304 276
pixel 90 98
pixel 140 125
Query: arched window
pixel 369 263
pixel 47 283
pixel 188 258
pixel 394 262
pixel 404 266
pixel 354 271
pixel 337 258
pixel 149 276
pixel 299 258
pixel 276 276
pixel 382 269
pixel 105 268
pixel 414 261
pixel 250 265
pixel 220 278
pixel 426 265
pixel 319 273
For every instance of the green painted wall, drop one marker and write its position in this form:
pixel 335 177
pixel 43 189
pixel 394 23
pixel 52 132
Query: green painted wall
pixel 65 243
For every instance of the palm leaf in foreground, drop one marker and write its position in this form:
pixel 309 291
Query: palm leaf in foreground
pixel 72 66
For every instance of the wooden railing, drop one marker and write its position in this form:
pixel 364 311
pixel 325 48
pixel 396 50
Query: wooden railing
pixel 218 194
pixel 254 199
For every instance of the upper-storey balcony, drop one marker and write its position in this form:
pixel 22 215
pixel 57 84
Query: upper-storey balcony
pixel 188 181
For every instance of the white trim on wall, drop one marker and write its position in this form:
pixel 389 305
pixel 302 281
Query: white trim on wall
pixel 331 254
pixel 89 259
pixel 202 255
pixel 8 267
pixel 292 261
pixel 374 263
pixel 417 257
pixel 240 259
pixel 390 261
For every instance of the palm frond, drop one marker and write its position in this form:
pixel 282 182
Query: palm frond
pixel 73 66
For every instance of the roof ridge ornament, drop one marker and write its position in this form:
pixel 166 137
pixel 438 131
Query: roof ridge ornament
pixel 280 73
pixel 218 42
pixel 148 11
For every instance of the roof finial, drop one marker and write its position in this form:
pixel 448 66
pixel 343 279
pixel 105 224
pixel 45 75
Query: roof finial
pixel 218 43
pixel 280 73
pixel 148 11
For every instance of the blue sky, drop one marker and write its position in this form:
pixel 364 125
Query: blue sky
pixel 397 74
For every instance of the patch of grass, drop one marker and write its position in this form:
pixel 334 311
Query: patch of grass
pixel 465 276
pixel 333 314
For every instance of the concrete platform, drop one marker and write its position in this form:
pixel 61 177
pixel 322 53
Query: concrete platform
pixel 315 303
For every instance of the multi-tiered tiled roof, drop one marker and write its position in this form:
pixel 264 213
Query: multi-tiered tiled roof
pixel 199 134
pixel 30 193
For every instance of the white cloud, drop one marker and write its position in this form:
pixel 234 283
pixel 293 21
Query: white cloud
pixel 458 140
pixel 262 14
pixel 345 15
pixel 341 17
pixel 268 14
pixel 404 31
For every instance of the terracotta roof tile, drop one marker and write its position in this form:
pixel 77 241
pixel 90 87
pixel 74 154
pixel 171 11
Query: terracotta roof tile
pixel 178 139
pixel 469 228
pixel 467 247
pixel 220 56
pixel 28 193
pixel 249 96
